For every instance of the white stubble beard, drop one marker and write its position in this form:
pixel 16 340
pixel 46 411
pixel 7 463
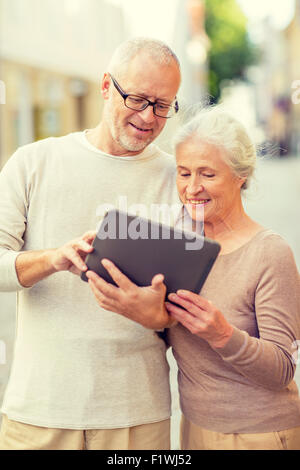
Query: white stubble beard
pixel 120 136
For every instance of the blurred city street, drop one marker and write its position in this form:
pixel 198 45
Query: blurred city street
pixel 273 201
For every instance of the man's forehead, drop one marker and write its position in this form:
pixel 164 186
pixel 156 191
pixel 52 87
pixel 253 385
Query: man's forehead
pixel 154 82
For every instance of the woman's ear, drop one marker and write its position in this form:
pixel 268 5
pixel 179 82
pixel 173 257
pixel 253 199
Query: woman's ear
pixel 243 183
pixel 105 85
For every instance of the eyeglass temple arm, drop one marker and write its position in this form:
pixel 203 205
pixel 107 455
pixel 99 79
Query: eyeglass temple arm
pixel 124 95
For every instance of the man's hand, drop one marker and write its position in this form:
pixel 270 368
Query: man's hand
pixel 71 256
pixel 144 305
pixel 34 266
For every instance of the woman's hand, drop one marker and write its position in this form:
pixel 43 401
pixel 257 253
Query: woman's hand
pixel 200 317
pixel 144 305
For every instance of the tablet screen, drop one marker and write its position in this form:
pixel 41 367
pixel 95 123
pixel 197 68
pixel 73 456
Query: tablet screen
pixel 142 248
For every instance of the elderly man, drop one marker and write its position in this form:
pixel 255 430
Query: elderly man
pixel 82 376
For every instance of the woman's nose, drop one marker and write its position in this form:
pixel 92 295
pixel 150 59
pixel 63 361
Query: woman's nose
pixel 194 188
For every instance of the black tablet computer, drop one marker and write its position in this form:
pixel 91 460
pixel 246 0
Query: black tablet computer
pixel 141 248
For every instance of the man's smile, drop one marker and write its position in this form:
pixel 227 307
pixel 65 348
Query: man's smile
pixel 141 129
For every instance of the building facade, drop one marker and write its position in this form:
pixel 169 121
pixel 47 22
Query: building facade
pixel 52 56
pixel 292 35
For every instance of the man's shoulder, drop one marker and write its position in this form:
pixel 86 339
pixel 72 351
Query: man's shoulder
pixel 46 143
pixel 41 149
pixel 166 159
pixel 159 151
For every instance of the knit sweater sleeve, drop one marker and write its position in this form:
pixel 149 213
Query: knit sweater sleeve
pixel 270 359
pixel 13 213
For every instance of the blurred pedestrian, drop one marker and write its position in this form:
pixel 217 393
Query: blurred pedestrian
pixel 83 377
pixel 235 343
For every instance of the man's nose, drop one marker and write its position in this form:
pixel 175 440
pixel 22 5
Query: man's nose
pixel 147 114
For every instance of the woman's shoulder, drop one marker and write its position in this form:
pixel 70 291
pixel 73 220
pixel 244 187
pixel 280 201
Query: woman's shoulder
pixel 273 248
pixel 261 240
pixel 265 248
pixel 270 239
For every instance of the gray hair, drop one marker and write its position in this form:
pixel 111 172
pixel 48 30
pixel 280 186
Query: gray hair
pixel 215 126
pixel 159 51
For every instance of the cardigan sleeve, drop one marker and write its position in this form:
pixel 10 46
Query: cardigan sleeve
pixel 269 360
pixel 13 214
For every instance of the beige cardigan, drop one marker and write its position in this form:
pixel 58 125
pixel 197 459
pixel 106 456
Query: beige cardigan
pixel 246 386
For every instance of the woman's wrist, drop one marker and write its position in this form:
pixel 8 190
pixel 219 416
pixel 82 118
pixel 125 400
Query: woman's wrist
pixel 223 339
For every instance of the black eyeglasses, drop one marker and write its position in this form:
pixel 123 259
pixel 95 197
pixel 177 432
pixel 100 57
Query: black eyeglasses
pixel 139 103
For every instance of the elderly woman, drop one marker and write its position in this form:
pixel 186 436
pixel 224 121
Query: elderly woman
pixel 235 343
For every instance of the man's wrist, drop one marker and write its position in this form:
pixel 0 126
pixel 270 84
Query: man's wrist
pixel 164 321
pixel 33 266
pixel 48 260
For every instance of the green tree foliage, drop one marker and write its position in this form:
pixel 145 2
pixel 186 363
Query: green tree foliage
pixel 231 50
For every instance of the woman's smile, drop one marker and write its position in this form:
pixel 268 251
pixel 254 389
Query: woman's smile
pixel 205 180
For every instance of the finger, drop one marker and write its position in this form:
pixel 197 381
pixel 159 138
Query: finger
pixel 177 310
pixel 186 304
pixel 158 281
pixel 188 321
pixel 75 270
pixel 99 296
pixel 106 289
pixel 104 302
pixel 89 236
pixel 83 246
pixel 201 302
pixel 120 279
pixel 186 324
pixel 178 313
pixel 75 259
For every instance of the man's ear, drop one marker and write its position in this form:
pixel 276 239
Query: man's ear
pixel 105 85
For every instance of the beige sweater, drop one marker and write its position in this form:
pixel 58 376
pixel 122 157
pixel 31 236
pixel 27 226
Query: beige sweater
pixel 76 365
pixel 246 386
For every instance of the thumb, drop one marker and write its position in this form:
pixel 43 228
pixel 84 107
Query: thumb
pixel 90 236
pixel 157 281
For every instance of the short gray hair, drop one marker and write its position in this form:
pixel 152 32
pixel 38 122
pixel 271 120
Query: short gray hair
pixel 159 51
pixel 215 126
